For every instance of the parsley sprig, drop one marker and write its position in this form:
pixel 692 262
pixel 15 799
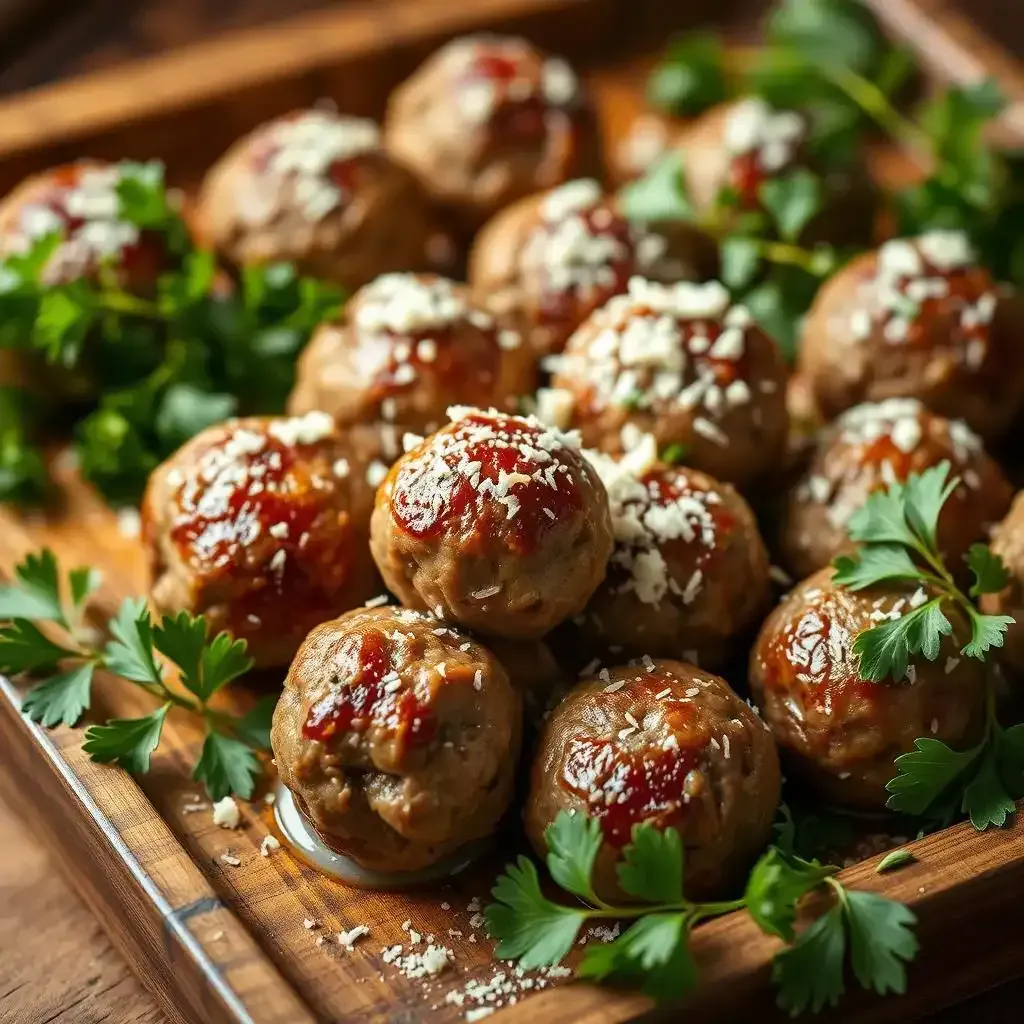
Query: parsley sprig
pixel 897 533
pixel 42 600
pixel 653 953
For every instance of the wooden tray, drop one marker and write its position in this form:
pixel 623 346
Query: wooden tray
pixel 219 944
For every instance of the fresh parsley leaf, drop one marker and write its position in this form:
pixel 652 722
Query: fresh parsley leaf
pixel 740 259
pixel 882 519
pixel 573 842
pixel 660 195
pixel 36 594
pixel 885 651
pixel 987 568
pixel 876 563
pixel 926 773
pixel 690 77
pixel 226 766
pixel 66 314
pixel 127 742
pixel 253 727
pixel 987 631
pixel 24 648
pixel 809 973
pixel 793 200
pixel 205 667
pixel 785 829
pixel 528 926
pixel 652 865
pixel 186 409
pixel 62 699
pixel 894 859
pixel 83 583
pixel 924 495
pixel 775 887
pixel 881 940
pixel 674 454
pixel 985 798
pixel 130 652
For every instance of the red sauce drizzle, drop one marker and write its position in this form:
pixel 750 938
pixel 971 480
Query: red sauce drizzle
pixel 515 119
pixel 427 503
pixel 883 449
pixel 746 176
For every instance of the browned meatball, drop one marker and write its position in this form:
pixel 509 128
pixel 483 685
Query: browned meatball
pixel 398 737
pixel 489 119
pixel 685 365
pixel 407 347
pixel 668 745
pixel 734 149
pixel 873 445
pixel 842 733
pixel 1008 543
pixel 544 264
pixel 495 522
pixel 689 573
pixel 918 318
pixel 262 525
pixel 315 188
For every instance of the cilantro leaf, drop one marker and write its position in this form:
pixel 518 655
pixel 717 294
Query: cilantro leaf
pixel 793 200
pixel 652 865
pixel 528 926
pixel 573 842
pixel 226 766
pixel 881 940
pixel 24 648
pixel 885 650
pixel 809 973
pixel 660 195
pixel 130 653
pixel 690 77
pixel 740 259
pixel 127 742
pixel 926 773
pixel 62 699
pixel 36 594
pixel 253 727
pixel 873 564
pixel 775 887
pixel 985 798
pixel 989 572
pixel 987 631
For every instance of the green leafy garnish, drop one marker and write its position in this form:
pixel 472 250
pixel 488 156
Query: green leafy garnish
pixel 42 600
pixel 894 859
pixel 690 76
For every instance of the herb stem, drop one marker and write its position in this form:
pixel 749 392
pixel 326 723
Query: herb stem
pixel 124 303
pixel 793 255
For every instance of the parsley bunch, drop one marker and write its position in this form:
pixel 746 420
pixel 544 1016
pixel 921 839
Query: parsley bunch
pixel 897 533
pixel 42 596
pixel 153 369
pixel 653 953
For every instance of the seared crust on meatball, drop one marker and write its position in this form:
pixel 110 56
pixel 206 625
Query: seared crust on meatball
pixel 495 522
pixel 683 364
pixel 842 733
pixel 868 448
pixel 1008 543
pixel 918 318
pixel 668 745
pixel 689 574
pixel 544 264
pixel 262 525
pixel 398 737
pixel 489 119
pixel 315 188
pixel 408 346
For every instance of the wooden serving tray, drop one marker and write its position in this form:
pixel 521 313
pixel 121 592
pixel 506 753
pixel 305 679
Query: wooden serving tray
pixel 223 944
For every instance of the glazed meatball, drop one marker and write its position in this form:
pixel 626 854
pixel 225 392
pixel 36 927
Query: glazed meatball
pixel 316 189
pixel 841 733
pixel 689 573
pixel 732 150
pixel 1008 543
pixel 547 262
pixel 683 364
pixel 665 744
pixel 918 318
pixel 408 346
pixel 496 522
pixel 262 526
pixel 873 445
pixel 488 120
pixel 398 737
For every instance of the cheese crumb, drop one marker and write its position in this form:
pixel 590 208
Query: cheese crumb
pixel 226 813
pixel 269 844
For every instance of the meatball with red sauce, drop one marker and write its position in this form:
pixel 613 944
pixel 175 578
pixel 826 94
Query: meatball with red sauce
pixel 683 363
pixel 544 264
pixel 918 318
pixel 398 736
pixel 262 525
pixel 406 347
pixel 689 574
pixel 490 119
pixel 1008 543
pixel 841 733
pixel 667 745
pixel 877 444
pixel 316 189
pixel 495 522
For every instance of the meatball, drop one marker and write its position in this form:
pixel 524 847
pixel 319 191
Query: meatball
pixel 496 522
pixel 488 120
pixel 841 733
pixel 732 150
pixel 547 262
pixel 262 526
pixel 689 572
pixel 1008 543
pixel 406 347
pixel 315 188
pixel 398 737
pixel 683 364
pixel 873 445
pixel 918 318
pixel 663 744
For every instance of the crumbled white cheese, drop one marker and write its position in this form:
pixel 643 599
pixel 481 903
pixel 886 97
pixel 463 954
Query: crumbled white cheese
pixel 226 813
